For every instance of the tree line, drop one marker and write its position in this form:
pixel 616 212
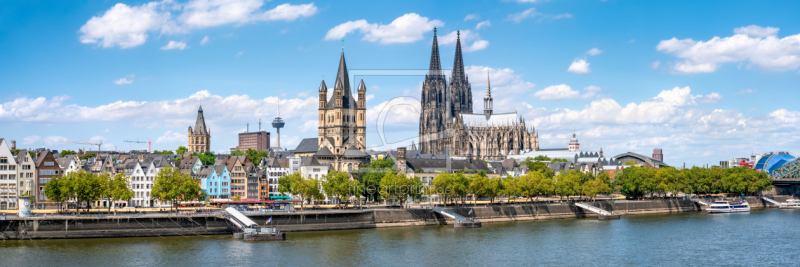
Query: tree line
pixel 171 185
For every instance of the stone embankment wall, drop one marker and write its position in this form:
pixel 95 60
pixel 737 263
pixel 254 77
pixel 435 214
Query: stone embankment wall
pixel 131 226
pixel 151 225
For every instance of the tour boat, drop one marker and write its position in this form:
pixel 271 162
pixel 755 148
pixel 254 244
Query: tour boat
pixel 722 206
pixel 791 203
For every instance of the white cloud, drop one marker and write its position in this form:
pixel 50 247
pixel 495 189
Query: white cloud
pixel 591 91
pixel 710 99
pixel 241 53
pixel 745 91
pixel 532 13
pixel 302 94
pixel 472 17
pixel 466 36
pixel 579 66
pixel 759 47
pixel 129 26
pixel 310 126
pixel 594 51
pixel 655 64
pixel 31 139
pixel 556 92
pixel 204 41
pixel 124 80
pixel 171 137
pixel 519 17
pixel 124 26
pixel 174 45
pixel 54 140
pixel 369 97
pixel 482 24
pixel 405 29
pixel 757 31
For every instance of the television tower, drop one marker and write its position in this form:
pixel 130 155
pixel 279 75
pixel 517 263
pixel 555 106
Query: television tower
pixel 278 123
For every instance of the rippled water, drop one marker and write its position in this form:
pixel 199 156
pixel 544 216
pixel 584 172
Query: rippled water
pixel 762 237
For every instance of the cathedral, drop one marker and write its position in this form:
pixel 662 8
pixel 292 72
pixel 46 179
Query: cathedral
pixel 448 125
pixel 200 136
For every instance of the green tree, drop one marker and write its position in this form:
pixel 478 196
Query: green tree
pixel 568 183
pixel 305 189
pixel 443 186
pixel 255 156
pixel 479 186
pixel 206 158
pixel 530 184
pixel 163 152
pixel 339 185
pixel 33 154
pixel 237 153
pixel 87 156
pixel 536 164
pixel 181 150
pixel 120 188
pixel 55 190
pixel 86 187
pixel 285 182
pixel 67 152
pixel 597 186
pixel 172 185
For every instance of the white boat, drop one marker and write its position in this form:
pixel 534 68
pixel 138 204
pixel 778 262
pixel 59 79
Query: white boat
pixel 722 206
pixel 791 203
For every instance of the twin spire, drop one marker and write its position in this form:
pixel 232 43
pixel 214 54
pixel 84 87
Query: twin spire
pixel 458 63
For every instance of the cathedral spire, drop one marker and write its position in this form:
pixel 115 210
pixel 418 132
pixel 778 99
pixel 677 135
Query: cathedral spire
pixel 458 62
pixel 487 100
pixel 436 66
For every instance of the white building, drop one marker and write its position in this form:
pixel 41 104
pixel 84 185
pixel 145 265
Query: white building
pixel 26 174
pixel 8 177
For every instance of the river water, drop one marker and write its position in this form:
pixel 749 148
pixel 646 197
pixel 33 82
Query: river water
pixel 762 237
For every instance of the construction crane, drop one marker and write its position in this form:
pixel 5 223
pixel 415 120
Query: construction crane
pixel 137 141
pixel 85 143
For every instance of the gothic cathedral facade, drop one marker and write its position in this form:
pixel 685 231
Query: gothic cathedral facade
pixel 448 125
pixel 200 136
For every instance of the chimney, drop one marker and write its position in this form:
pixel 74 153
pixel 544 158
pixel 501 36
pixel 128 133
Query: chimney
pixel 13 144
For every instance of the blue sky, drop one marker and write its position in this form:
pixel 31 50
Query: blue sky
pixel 703 81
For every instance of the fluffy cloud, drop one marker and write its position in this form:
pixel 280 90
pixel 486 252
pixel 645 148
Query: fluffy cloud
pixel 54 140
pixel 756 31
pixel 482 24
pixel 472 17
pixel 204 41
pixel 556 92
pixel 129 26
pixel 174 45
pixel 594 52
pixel 466 36
pixel 579 66
pixel 758 46
pixel 124 80
pixel 405 29
pixel 171 137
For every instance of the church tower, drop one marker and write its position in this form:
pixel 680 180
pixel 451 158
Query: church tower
pixel 200 136
pixel 434 94
pixel 342 119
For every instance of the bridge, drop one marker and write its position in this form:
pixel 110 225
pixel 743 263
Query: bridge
pixel 601 213
pixel 461 221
